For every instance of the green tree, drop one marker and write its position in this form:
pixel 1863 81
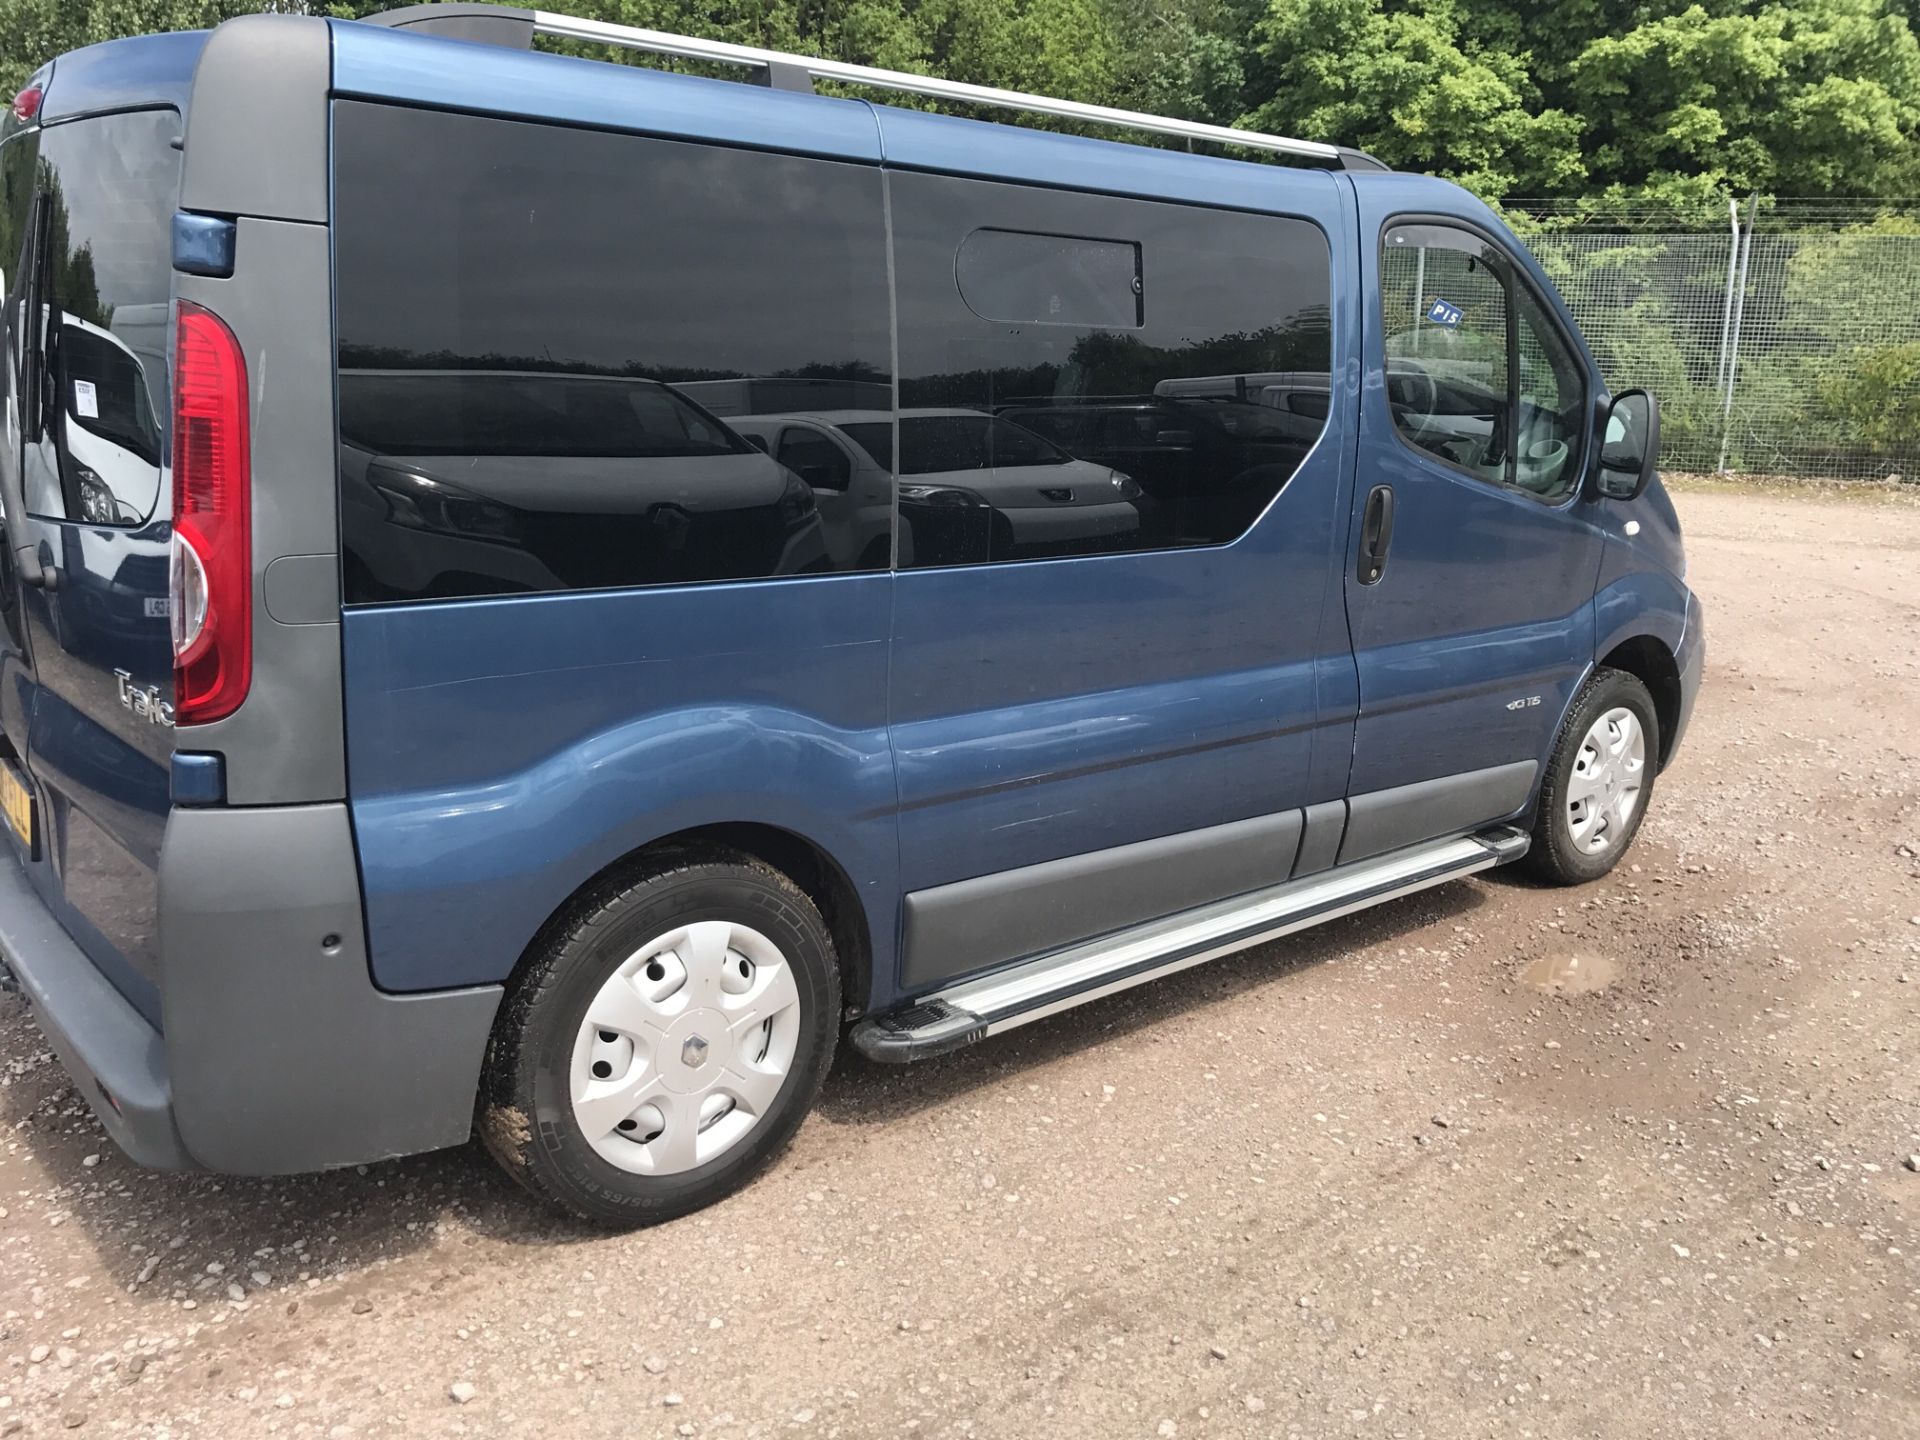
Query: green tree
pixel 1818 97
pixel 1668 100
pixel 1653 100
pixel 1409 84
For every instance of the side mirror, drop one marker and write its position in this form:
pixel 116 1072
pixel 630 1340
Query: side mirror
pixel 758 442
pixel 1630 447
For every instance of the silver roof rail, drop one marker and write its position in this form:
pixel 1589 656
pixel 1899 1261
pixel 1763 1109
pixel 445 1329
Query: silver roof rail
pixel 508 25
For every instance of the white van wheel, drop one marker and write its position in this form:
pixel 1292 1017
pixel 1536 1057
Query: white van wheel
pixel 665 1040
pixel 1609 774
pixel 685 1048
pixel 1598 781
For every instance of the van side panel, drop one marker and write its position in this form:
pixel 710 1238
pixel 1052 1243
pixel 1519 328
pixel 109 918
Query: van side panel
pixel 504 751
pixel 1050 717
pixel 582 613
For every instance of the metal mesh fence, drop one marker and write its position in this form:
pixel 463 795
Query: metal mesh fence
pixel 1811 367
pixel 1827 371
pixel 1654 311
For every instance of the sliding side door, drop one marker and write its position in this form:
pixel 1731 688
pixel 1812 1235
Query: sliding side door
pixel 1120 676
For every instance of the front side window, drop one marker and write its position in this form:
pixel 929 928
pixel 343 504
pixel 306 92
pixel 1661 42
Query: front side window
pixel 1476 374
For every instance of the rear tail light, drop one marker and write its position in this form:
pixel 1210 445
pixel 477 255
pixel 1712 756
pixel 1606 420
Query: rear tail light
pixel 211 574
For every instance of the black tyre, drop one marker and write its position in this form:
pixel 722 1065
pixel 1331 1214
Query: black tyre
pixel 1599 781
pixel 664 1043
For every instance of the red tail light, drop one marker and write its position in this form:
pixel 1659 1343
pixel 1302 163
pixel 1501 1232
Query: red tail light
pixel 26 104
pixel 211 576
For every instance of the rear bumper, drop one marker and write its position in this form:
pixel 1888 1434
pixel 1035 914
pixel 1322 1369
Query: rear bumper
pixel 114 1056
pixel 278 1055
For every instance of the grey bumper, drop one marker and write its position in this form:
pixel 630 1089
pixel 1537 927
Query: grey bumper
pixel 112 1053
pixel 279 1054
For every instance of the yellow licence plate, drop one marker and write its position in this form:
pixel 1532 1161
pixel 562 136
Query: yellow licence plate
pixel 16 802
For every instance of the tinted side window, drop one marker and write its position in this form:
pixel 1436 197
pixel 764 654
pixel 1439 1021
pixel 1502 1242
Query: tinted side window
pixel 1476 374
pixel 1125 392
pixel 18 173
pixel 546 335
pixel 103 275
pixel 1553 401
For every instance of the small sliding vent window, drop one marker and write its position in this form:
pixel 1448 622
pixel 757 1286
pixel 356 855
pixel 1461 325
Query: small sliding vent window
pixel 1027 279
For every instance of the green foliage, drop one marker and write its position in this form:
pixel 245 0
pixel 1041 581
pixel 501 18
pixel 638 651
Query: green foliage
pixel 1837 355
pixel 1672 100
pixel 1412 86
pixel 1877 397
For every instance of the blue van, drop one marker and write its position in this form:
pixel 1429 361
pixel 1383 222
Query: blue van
pixel 540 596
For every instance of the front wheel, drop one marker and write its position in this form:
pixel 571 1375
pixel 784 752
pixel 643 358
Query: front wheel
pixel 1598 782
pixel 665 1044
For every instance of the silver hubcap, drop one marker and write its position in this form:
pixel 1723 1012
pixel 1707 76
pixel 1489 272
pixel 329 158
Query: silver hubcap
pixel 685 1048
pixel 1608 775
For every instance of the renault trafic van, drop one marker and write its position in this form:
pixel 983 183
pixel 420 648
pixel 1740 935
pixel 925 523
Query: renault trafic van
pixel 543 597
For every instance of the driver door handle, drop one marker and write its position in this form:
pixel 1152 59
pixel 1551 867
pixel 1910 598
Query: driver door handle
pixel 1376 534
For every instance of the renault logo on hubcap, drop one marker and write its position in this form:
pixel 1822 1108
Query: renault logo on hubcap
pixel 694 1053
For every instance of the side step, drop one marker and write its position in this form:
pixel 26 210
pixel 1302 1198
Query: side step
pixel 1036 988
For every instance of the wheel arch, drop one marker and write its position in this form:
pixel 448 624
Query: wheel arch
pixel 1648 660
pixel 808 864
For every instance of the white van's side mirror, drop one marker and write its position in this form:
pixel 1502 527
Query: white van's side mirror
pixel 1631 447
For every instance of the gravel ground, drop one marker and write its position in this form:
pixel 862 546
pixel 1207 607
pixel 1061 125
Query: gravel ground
pixel 1629 1160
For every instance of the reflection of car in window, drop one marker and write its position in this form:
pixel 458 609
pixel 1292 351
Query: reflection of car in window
pixel 1208 464
pixel 1030 494
pixel 110 436
pixel 853 489
pixel 535 480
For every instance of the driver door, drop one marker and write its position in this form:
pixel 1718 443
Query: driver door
pixel 1473 624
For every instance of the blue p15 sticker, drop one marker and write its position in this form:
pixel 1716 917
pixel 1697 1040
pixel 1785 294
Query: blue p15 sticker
pixel 1441 313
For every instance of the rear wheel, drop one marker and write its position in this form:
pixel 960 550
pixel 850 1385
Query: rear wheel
pixel 665 1044
pixel 1598 782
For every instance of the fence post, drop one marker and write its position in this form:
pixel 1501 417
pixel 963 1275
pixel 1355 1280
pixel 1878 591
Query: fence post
pixel 1726 304
pixel 1733 341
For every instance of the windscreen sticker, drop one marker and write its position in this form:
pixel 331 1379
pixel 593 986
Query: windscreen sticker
pixel 1443 313
pixel 86 404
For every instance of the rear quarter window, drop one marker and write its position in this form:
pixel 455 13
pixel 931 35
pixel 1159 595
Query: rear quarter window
pixel 544 334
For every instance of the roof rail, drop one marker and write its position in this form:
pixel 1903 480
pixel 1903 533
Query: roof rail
pixel 514 27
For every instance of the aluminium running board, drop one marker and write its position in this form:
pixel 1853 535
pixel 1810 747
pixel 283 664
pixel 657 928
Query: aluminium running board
pixel 1047 984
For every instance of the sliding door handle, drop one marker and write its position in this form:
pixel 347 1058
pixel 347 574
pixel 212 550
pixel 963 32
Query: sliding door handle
pixel 1376 534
